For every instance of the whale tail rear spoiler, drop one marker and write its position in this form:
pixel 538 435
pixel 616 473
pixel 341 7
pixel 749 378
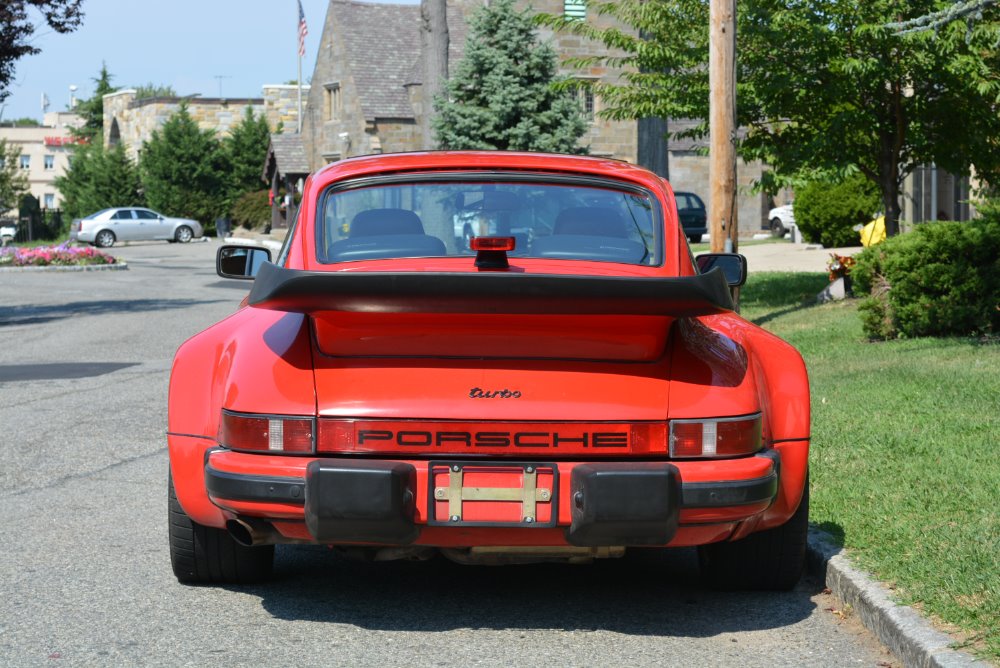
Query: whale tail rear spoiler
pixel 313 292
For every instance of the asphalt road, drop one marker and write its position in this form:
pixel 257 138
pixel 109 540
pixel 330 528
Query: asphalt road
pixel 84 568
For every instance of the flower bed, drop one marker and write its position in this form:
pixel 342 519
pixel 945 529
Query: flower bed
pixel 62 255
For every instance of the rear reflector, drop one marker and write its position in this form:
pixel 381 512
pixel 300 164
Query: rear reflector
pixel 515 439
pixel 722 437
pixel 492 243
pixel 266 433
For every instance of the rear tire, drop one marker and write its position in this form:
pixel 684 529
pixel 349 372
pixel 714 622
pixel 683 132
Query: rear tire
pixel 206 555
pixel 770 560
pixel 104 239
pixel 777 229
pixel 694 238
pixel 184 234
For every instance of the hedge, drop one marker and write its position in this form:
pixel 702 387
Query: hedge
pixel 941 279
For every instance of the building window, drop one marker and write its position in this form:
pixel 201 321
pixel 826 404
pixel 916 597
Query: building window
pixel 575 9
pixel 332 103
pixel 50 162
pixel 25 162
pixel 50 201
pixel 586 97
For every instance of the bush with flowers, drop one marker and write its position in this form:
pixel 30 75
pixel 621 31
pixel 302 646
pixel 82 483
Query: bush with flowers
pixel 839 266
pixel 62 255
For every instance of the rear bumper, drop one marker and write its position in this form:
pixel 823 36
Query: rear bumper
pixel 401 502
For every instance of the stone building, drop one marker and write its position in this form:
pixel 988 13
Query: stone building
pixel 44 155
pixel 131 121
pixel 366 95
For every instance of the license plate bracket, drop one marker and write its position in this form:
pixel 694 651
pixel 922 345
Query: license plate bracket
pixel 493 494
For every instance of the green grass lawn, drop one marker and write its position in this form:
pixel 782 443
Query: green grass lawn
pixel 905 459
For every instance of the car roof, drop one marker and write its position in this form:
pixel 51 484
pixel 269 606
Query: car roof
pixel 479 161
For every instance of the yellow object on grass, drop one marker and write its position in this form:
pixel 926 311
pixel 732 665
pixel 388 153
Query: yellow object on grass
pixel 873 233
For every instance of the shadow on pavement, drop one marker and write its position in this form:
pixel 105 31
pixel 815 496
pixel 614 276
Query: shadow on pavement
pixel 31 314
pixel 649 593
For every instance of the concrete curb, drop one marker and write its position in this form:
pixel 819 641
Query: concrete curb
pixel 900 628
pixel 117 266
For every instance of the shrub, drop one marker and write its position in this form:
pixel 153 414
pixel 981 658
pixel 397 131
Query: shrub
pixel 252 210
pixel 827 212
pixel 942 279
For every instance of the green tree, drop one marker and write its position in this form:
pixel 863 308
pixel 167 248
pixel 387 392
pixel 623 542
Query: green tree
pixel 245 150
pixel 181 169
pixel 956 10
pixel 13 180
pixel 501 95
pixel 17 29
pixel 154 90
pixel 824 86
pixel 98 178
pixel 91 110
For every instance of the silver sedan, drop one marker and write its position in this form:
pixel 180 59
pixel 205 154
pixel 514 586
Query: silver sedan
pixel 107 226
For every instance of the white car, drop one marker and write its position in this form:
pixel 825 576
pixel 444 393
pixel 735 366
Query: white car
pixel 780 219
pixel 107 226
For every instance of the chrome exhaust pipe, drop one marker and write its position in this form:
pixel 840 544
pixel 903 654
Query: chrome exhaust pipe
pixel 253 533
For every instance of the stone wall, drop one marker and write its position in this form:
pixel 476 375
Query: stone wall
pixel 613 139
pixel 131 121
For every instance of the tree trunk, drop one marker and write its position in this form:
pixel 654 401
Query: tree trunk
pixel 889 184
pixel 434 54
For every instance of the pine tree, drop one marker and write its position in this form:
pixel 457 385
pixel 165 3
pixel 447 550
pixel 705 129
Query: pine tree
pixel 502 94
pixel 245 150
pixel 91 110
pixel 181 170
pixel 98 178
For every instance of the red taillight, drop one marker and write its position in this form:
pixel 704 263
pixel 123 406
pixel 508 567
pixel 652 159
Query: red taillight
pixel 492 243
pixel 722 437
pixel 266 433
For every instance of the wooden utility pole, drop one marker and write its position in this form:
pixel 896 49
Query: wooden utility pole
pixel 723 225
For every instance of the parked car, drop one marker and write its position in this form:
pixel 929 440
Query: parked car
pixel 107 226
pixel 385 393
pixel 780 219
pixel 691 210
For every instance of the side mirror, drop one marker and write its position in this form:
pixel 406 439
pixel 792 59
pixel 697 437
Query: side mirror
pixel 241 262
pixel 733 266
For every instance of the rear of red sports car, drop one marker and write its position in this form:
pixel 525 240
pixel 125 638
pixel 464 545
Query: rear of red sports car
pixel 497 357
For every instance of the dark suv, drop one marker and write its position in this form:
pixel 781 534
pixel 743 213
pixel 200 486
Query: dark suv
pixel 691 210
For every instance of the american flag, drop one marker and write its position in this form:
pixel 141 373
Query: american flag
pixel 303 30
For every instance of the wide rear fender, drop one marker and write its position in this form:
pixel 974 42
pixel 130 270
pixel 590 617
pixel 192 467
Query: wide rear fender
pixel 255 361
pixel 783 392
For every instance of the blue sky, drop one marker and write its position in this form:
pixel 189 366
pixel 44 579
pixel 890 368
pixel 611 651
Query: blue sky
pixel 181 43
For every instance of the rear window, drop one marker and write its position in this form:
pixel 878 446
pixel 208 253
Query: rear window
pixel 554 219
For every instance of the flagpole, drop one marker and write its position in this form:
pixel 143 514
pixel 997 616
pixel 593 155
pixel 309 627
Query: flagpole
pixel 303 31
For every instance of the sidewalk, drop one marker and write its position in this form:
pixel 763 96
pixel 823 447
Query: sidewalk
pixel 786 256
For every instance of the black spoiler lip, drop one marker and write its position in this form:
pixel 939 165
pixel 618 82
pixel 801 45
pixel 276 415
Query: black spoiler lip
pixel 310 292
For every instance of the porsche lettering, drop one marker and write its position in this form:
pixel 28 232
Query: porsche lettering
pixel 493 439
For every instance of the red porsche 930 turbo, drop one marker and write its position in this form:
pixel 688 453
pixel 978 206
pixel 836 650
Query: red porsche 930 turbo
pixel 560 379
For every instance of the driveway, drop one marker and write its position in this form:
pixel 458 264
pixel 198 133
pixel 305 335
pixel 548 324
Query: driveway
pixel 786 256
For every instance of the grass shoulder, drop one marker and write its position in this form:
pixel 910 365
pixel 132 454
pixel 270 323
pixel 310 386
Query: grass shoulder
pixel 904 465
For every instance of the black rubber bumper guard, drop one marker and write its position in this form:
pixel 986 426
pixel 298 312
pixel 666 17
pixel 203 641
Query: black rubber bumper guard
pixel 373 501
